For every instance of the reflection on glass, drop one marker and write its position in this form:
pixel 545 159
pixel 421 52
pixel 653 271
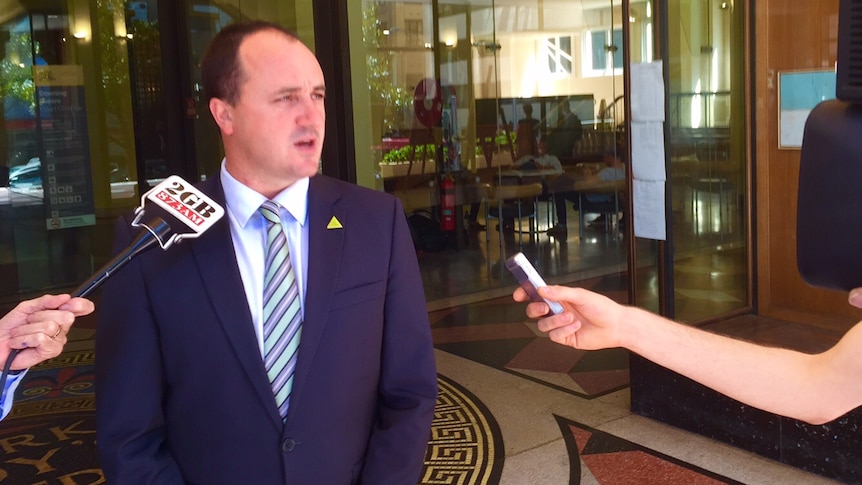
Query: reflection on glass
pixel 481 115
pixel 67 143
pixel 150 119
pixel 707 123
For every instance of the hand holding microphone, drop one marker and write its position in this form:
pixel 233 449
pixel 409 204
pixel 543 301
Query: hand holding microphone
pixel 36 329
pixel 178 211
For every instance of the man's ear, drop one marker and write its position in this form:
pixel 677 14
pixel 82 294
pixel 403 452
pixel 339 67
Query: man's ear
pixel 222 114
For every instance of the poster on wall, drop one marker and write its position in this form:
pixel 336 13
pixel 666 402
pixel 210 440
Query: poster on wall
pixel 64 141
pixel 798 93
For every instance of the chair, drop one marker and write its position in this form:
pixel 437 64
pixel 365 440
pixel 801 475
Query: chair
pixel 422 138
pixel 549 199
pixel 512 202
pixel 714 178
pixel 416 198
pixel 610 209
pixel 486 137
pixel 558 186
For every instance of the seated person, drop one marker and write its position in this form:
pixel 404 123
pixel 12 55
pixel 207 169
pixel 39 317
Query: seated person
pixel 614 169
pixel 544 163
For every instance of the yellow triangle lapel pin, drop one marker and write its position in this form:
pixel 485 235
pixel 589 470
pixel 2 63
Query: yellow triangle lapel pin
pixel 334 223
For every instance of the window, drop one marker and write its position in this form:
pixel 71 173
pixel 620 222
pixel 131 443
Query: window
pixel 603 53
pixel 413 29
pixel 559 51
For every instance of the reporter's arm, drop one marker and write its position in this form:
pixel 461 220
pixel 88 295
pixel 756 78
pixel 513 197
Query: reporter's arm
pixel 813 388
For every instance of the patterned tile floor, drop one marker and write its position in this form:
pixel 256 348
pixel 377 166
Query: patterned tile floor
pixel 553 434
pixel 610 459
pixel 496 333
pixel 564 414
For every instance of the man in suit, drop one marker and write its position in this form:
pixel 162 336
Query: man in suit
pixel 184 394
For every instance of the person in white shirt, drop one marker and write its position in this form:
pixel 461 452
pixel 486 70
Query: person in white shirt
pixel 38 328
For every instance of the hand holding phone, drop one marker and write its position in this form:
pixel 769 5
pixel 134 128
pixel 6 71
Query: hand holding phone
pixel 530 280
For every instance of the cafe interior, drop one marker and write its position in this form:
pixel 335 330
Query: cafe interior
pixel 472 119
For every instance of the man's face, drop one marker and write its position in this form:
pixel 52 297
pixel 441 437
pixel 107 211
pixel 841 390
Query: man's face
pixel 273 134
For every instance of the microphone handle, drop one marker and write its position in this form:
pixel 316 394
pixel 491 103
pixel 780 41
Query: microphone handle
pixel 156 230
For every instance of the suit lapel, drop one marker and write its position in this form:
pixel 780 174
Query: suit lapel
pixel 325 249
pixel 216 261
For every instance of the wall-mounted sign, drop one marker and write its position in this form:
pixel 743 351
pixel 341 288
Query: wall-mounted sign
pixel 798 93
pixel 65 151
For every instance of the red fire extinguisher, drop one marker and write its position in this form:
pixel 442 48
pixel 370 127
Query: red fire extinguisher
pixel 447 203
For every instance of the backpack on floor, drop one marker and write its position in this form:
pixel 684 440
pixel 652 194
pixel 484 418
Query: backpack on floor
pixel 426 232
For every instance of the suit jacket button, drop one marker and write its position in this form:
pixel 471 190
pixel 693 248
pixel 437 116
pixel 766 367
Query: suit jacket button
pixel 288 445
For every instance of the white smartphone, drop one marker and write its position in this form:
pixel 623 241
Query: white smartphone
pixel 530 279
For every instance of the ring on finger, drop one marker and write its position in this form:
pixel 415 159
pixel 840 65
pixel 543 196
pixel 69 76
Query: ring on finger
pixel 59 331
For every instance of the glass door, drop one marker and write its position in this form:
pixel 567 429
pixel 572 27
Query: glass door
pixel 67 142
pixel 707 121
pixel 491 122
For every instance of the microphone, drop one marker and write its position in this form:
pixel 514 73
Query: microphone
pixel 181 212
pixel 190 211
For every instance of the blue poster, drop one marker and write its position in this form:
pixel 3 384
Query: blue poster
pixel 799 92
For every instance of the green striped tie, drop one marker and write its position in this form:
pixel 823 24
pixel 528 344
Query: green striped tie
pixel 282 321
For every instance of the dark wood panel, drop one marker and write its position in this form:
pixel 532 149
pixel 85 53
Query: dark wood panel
pixel 786 38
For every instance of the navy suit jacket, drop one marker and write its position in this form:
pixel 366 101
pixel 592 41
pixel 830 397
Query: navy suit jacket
pixel 182 393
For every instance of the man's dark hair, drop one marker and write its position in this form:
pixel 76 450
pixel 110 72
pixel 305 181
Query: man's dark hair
pixel 221 73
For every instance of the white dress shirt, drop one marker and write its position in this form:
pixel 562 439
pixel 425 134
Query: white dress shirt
pixel 248 229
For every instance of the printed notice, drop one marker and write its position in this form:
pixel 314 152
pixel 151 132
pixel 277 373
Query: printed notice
pixel 647 91
pixel 648 151
pixel 648 198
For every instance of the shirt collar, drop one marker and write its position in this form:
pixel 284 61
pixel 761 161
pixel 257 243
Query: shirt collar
pixel 243 202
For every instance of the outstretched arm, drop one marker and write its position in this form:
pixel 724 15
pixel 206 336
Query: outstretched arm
pixel 813 388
